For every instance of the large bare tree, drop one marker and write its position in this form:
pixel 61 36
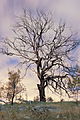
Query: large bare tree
pixel 45 46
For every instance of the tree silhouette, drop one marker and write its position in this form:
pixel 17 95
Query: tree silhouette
pixel 43 46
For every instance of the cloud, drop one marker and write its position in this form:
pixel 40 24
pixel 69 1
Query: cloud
pixel 65 9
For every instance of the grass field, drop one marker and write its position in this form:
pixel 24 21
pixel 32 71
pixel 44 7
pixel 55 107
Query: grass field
pixel 26 111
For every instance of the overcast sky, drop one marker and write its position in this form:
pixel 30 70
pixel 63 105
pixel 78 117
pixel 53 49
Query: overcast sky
pixel 68 10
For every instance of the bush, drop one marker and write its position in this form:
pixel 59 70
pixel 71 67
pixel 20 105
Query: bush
pixel 49 99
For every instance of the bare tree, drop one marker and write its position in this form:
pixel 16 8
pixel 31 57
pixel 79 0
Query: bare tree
pixel 44 47
pixel 13 87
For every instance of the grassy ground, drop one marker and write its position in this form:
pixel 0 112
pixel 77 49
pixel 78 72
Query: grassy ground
pixel 66 111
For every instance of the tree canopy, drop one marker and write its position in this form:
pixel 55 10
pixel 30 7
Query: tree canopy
pixel 13 87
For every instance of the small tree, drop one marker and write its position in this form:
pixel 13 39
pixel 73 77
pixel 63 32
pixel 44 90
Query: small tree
pixel 36 99
pixel 14 87
pixel 2 95
pixel 74 85
pixel 1 91
pixel 50 99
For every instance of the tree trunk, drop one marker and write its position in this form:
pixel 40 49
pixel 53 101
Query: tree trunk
pixel 12 100
pixel 41 93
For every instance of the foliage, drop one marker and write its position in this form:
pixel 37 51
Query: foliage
pixel 1 90
pixel 74 85
pixel 36 99
pixel 13 87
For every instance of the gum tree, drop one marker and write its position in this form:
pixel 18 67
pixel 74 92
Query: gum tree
pixel 13 87
pixel 45 46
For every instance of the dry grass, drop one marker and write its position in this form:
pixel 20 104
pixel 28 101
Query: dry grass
pixel 68 111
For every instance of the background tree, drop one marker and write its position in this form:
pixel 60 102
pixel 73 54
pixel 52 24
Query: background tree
pixel 2 96
pixel 49 99
pixel 36 99
pixel 1 90
pixel 14 87
pixel 74 85
pixel 43 46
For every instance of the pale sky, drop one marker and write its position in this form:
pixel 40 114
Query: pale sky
pixel 67 10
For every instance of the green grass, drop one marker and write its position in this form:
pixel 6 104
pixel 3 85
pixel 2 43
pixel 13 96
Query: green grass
pixel 68 111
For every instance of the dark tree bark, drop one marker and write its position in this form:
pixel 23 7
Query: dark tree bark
pixel 42 93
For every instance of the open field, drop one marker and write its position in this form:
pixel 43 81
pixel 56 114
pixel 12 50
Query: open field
pixel 41 111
